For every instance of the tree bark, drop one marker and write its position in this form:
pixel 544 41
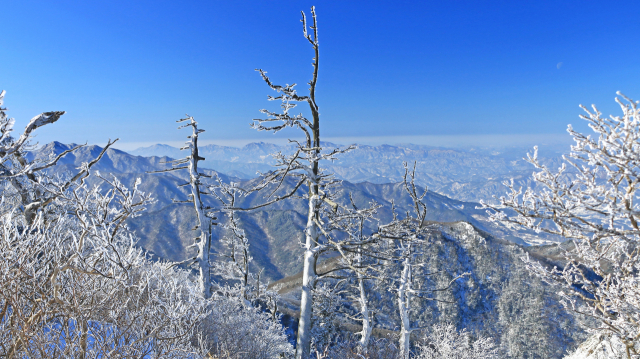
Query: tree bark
pixel 403 307
pixel 204 224
pixel 364 309
pixel 309 276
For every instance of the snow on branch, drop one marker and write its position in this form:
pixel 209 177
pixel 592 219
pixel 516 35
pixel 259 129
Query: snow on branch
pixel 597 211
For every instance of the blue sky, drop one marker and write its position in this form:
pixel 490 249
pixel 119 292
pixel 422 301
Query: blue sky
pixel 391 71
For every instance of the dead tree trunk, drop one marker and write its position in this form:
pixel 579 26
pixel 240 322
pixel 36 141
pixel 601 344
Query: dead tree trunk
pixel 204 222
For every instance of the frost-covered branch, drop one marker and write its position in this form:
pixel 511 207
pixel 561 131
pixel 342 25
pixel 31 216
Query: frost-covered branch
pixel 304 167
pixel 405 240
pixel 32 188
pixel 598 212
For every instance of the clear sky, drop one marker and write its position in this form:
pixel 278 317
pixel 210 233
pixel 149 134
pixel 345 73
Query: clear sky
pixel 389 70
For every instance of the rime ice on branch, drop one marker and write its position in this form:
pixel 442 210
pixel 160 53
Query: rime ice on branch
pixel 402 250
pixel 72 283
pixel 235 262
pixel 33 190
pixel 204 218
pixel 598 213
pixel 303 166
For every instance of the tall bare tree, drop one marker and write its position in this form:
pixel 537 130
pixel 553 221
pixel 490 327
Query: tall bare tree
pixel 304 166
pixel 235 261
pixel 325 216
pixel 360 260
pixel 204 219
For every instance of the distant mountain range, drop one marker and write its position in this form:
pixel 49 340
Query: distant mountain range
pixel 464 174
pixel 165 228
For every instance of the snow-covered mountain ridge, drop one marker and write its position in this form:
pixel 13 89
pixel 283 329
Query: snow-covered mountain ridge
pixel 469 174
pixel 165 228
pixel 499 299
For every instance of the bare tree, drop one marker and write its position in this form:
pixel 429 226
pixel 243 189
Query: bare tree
pixel 234 326
pixel 204 219
pixel 304 167
pixel 325 216
pixel 597 212
pixel 405 239
pixel 235 262
pixel 360 260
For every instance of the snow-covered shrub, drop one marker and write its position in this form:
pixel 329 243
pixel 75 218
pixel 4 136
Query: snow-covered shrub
pixel 72 283
pixel 74 286
pixel 325 327
pixel 444 342
pixel 237 330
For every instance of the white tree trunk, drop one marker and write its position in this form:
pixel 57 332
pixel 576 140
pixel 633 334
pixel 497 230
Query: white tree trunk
pixel 204 224
pixel 364 310
pixel 309 276
pixel 364 304
pixel 403 307
pixel 203 261
pixel 204 244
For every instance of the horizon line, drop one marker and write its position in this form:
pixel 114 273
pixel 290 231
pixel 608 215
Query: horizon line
pixel 445 141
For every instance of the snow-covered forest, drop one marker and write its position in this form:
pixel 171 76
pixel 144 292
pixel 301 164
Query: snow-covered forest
pixel 104 254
